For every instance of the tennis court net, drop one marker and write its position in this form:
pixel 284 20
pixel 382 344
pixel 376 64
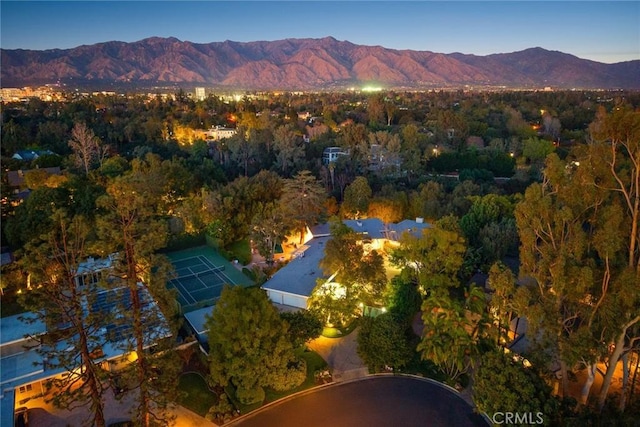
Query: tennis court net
pixel 202 274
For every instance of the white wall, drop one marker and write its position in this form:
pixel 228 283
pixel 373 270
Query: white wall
pixel 286 298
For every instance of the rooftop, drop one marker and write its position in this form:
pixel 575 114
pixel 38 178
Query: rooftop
pixel 373 228
pixel 92 265
pixel 16 178
pixel 300 275
pixel 197 320
pixel 14 328
pixel 21 363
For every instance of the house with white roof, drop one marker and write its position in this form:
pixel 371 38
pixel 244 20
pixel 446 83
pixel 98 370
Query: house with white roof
pixel 24 368
pixel 29 155
pixel 216 133
pixel 293 284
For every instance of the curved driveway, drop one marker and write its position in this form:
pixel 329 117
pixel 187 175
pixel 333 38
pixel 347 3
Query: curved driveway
pixel 374 401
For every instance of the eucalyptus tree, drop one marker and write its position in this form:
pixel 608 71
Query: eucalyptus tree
pixel 554 252
pixel 231 209
pixel 613 160
pixel 579 233
pixel 243 151
pixel 411 150
pixel 354 137
pixel 502 282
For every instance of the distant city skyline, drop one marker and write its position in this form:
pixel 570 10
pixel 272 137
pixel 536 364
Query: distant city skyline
pixel 601 31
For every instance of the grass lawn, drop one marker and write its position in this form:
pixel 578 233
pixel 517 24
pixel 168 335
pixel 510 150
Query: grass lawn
pixel 195 395
pixel 331 332
pixel 241 251
pixel 340 332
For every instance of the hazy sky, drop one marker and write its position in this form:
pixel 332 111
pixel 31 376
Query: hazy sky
pixel 602 31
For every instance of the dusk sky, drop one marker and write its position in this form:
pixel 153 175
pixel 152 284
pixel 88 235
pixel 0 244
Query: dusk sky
pixel 601 31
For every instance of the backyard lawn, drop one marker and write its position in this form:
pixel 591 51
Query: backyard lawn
pixel 194 393
pixel 241 251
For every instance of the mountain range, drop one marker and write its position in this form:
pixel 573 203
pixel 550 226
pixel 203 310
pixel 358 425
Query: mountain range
pixel 304 64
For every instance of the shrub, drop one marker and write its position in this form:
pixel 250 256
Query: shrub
pixel 295 375
pixel 247 396
pixel 222 410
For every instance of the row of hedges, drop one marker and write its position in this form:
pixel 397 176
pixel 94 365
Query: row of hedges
pixel 497 162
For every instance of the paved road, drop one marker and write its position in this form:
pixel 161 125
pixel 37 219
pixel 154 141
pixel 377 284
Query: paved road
pixel 374 401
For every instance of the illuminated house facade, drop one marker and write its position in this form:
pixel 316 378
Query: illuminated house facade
pixel 24 369
pixel 219 132
pixel 293 284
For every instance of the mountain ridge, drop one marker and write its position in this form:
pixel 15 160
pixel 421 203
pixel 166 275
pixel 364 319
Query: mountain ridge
pixel 305 63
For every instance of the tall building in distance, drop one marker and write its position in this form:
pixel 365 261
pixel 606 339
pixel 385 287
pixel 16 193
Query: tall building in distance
pixel 200 95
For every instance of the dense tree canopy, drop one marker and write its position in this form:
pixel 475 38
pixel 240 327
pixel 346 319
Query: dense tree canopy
pixel 360 271
pixel 503 385
pixel 579 230
pixel 434 258
pixel 249 346
pixel 131 227
pixel 382 344
pixel 453 329
pixel 356 198
pixel 578 226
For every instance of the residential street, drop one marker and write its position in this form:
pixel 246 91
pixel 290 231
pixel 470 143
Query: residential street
pixel 374 401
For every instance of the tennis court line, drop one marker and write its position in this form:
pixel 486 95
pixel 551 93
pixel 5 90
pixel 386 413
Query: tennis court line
pixel 198 261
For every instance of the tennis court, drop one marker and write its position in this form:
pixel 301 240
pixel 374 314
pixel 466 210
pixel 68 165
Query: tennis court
pixel 198 279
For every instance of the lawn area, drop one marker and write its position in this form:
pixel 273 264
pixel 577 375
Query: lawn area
pixel 194 393
pixel 241 251
pixel 331 332
pixel 315 362
pixel 339 332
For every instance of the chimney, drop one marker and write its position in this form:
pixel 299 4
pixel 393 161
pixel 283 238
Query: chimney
pixel 419 220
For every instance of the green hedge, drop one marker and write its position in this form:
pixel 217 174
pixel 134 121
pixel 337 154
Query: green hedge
pixel 184 241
